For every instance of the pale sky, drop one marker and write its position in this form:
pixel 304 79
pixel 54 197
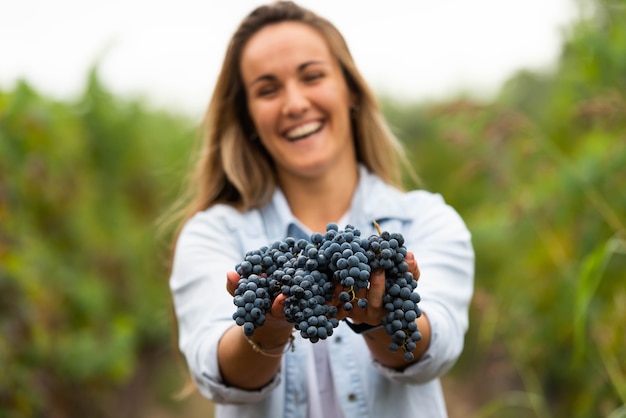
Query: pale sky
pixel 170 52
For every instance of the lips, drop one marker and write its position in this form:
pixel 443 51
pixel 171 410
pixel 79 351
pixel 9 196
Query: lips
pixel 303 131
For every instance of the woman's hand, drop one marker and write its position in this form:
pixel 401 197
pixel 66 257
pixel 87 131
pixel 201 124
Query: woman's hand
pixel 276 312
pixel 374 312
pixel 241 364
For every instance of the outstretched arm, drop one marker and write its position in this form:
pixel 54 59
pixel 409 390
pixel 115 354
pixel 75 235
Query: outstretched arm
pixel 241 365
pixel 378 340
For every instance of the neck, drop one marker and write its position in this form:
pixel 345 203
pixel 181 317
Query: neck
pixel 316 201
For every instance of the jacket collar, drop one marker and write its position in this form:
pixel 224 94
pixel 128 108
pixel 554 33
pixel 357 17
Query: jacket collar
pixel 374 200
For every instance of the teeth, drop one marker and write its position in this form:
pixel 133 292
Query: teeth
pixel 304 130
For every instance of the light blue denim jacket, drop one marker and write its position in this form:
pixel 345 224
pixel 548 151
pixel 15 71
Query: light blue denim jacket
pixel 215 240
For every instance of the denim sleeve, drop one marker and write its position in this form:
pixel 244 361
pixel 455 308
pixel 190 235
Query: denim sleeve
pixel 442 246
pixel 207 248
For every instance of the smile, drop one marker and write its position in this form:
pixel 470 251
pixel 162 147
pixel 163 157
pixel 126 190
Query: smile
pixel 304 130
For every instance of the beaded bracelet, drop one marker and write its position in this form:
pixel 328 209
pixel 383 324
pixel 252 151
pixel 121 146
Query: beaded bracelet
pixel 267 351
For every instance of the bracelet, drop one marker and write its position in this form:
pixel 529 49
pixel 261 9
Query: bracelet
pixel 268 351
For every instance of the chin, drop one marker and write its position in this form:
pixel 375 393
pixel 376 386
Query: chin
pixel 309 170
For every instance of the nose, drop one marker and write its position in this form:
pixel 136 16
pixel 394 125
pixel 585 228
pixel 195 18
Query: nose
pixel 296 102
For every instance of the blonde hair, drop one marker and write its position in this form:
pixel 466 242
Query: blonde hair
pixel 232 169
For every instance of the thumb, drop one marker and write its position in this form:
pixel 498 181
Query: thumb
pixel 232 280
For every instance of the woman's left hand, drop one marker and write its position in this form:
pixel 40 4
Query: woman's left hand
pixel 374 312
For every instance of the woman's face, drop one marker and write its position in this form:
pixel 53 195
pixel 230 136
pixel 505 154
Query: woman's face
pixel 298 100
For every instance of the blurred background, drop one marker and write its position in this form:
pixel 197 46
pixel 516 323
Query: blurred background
pixel 525 137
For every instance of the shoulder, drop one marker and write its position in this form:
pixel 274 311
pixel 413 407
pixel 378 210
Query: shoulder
pixel 418 210
pixel 220 219
pixel 386 200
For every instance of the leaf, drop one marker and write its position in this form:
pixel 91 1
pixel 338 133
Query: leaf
pixel 589 278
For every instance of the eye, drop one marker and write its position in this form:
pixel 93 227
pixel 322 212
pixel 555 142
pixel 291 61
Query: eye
pixel 313 76
pixel 266 90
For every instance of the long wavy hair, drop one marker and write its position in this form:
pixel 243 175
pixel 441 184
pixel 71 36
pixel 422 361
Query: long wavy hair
pixel 232 169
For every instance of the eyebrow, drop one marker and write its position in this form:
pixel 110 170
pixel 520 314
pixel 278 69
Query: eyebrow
pixel 301 67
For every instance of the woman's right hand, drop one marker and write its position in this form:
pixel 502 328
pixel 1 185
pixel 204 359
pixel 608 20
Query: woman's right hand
pixel 276 312
pixel 241 364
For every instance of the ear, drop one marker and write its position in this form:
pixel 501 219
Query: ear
pixel 355 104
pixel 354 101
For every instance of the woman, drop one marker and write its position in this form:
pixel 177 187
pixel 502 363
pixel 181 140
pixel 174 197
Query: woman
pixel 294 140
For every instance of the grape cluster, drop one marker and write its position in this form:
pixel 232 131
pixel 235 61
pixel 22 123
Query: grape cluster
pixel 307 273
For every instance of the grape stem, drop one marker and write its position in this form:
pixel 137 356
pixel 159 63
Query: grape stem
pixel 351 292
pixel 377 228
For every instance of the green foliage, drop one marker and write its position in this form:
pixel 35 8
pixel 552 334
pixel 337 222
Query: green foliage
pixel 83 282
pixel 539 175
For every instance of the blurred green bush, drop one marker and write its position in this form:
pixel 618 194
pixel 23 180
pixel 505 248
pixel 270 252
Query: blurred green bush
pixel 538 173
pixel 83 279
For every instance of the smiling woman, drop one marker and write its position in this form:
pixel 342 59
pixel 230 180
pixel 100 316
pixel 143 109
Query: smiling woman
pixel 294 142
pixel 300 104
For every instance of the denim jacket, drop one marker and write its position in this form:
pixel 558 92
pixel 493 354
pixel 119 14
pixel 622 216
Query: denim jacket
pixel 215 240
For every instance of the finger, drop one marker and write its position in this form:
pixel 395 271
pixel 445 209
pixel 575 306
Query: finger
pixel 277 311
pixel 232 279
pixel 412 262
pixel 372 312
pixel 376 291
